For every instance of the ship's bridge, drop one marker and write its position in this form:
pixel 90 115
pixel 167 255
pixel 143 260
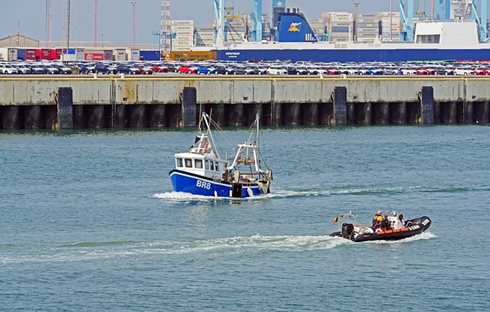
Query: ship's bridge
pixel 447 34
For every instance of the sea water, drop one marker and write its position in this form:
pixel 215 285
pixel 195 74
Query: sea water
pixel 89 222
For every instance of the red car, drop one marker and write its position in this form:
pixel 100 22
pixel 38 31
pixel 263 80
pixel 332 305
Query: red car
pixel 159 68
pixel 424 71
pixel 187 69
pixel 482 71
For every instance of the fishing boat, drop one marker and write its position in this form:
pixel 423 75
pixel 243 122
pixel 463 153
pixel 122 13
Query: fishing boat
pixel 393 227
pixel 202 171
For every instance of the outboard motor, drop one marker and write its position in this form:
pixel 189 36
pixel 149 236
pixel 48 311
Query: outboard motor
pixel 347 229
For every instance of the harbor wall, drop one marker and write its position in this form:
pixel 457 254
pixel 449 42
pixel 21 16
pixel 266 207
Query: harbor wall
pixel 34 103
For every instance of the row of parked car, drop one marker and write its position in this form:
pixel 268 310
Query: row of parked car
pixel 233 68
pixel 304 68
pixel 37 68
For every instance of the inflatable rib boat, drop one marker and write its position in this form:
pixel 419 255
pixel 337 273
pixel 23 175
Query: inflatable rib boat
pixel 393 228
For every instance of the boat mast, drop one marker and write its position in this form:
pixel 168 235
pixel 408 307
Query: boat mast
pixel 257 121
pixel 208 126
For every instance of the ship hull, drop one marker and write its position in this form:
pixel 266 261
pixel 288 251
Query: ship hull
pixel 353 55
pixel 198 185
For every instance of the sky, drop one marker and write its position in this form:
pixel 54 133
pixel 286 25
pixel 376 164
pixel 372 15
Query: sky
pixel 115 16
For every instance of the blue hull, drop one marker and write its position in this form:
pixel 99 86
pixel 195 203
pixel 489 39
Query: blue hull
pixel 354 55
pixel 188 183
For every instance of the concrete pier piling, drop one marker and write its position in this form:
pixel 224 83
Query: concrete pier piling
pixel 427 105
pixel 398 113
pixel 309 114
pixel 381 114
pixel 32 117
pixel 485 110
pixel 78 117
pixel 189 106
pixel 467 113
pixel 96 118
pixel 11 118
pixel 363 114
pixel 65 108
pixel 234 101
pixel 137 116
pixel 234 115
pixel 157 116
pixel 121 120
pixel 340 107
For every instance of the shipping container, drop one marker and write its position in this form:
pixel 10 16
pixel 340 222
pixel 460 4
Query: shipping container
pixel 54 54
pixel 80 54
pixel 21 54
pixel 3 54
pixel 120 55
pixel 30 55
pixel 108 55
pixel 45 54
pixel 69 57
pixel 12 54
pixel 193 55
pixel 134 55
pixel 94 56
pixel 149 55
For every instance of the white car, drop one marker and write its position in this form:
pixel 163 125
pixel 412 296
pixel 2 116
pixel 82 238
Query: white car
pixel 277 70
pixel 463 71
pixel 22 68
pixel 7 69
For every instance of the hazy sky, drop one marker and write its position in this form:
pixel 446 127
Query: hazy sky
pixel 28 16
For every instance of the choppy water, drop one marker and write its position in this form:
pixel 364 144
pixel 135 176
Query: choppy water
pixel 88 221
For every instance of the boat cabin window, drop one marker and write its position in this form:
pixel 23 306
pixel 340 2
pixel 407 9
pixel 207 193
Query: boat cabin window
pixel 188 163
pixel 428 38
pixel 207 164
pixel 217 166
pixel 212 165
pixel 179 162
pixel 198 163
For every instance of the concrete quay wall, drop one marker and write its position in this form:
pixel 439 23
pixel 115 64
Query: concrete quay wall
pixel 31 103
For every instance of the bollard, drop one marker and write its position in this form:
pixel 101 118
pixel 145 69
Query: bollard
pixel 65 108
pixel 340 106
pixel 189 106
pixel 427 105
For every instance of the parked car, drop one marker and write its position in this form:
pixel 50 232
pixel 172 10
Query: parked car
pixel 277 70
pixel 63 69
pixel 22 68
pixel 463 71
pixel 292 70
pixel 7 69
pixel 187 69
pixel 203 70
pixel 144 69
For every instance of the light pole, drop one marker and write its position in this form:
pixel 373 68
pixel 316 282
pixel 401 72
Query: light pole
pixel 391 20
pixel 133 34
pixel 356 5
